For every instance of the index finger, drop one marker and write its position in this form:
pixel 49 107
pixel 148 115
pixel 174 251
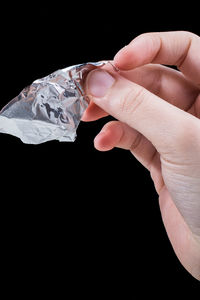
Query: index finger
pixel 180 48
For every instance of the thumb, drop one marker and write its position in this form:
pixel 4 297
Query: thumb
pixel 166 126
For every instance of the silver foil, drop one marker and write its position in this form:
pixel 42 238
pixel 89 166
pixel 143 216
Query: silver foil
pixel 50 108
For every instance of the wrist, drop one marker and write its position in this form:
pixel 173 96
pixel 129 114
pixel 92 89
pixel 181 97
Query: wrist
pixel 195 266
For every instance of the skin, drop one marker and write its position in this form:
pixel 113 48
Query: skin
pixel 158 113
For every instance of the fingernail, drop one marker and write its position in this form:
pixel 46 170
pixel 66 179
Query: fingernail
pixel 99 82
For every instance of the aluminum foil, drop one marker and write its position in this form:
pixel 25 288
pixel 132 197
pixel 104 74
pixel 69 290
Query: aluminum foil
pixel 50 108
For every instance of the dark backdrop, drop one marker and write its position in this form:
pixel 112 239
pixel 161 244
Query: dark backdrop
pixel 75 219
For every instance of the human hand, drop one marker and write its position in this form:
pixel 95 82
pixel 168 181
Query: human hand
pixel 158 109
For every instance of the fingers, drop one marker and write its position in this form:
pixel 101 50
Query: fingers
pixel 93 112
pixel 160 122
pixel 110 136
pixel 117 134
pixel 178 48
pixel 120 135
pixel 166 83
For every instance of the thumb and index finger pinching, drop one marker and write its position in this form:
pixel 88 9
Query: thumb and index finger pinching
pixel 163 124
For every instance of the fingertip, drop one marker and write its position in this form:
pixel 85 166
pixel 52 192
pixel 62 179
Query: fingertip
pixel 102 142
pixel 93 112
pixel 87 116
pixel 123 59
pixel 133 55
pixel 84 117
pixel 109 136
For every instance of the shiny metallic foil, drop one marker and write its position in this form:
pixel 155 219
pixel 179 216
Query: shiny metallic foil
pixel 50 108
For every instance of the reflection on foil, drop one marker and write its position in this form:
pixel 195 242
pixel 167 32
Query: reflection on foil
pixel 50 108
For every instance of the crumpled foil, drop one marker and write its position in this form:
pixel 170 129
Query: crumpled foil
pixel 50 108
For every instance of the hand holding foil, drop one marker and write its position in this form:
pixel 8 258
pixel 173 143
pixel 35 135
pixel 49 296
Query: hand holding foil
pixel 50 108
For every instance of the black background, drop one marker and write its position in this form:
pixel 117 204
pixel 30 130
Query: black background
pixel 74 219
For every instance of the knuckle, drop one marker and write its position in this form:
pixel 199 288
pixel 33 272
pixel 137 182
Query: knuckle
pixel 132 101
pixel 136 142
pixel 155 36
pixel 150 35
pixel 153 40
pixel 190 39
pixel 155 84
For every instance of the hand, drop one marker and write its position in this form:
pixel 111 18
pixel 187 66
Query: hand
pixel 158 109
